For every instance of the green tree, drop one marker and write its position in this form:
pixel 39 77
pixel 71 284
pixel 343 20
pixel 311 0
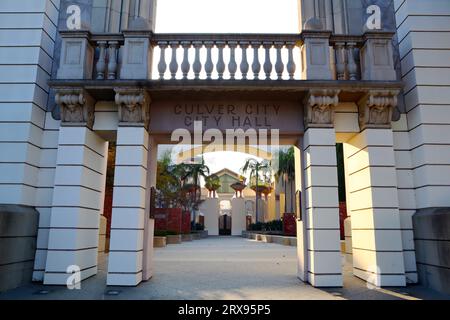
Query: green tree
pixel 167 182
pixel 193 172
pixel 286 170
pixel 256 169
pixel 212 183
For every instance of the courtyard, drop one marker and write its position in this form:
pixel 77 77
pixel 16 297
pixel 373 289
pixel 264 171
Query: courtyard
pixel 230 268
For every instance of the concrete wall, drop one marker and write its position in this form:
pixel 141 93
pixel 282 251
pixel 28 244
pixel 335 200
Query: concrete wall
pixel 28 134
pixel 238 216
pixel 432 240
pixel 18 231
pixel 421 137
pixel 210 208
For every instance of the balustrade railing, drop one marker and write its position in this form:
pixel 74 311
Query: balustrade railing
pixel 238 56
pixel 106 58
pixel 225 56
pixel 347 62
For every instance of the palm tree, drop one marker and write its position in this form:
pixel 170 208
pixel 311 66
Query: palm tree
pixel 256 168
pixel 193 172
pixel 212 183
pixel 167 181
pixel 286 169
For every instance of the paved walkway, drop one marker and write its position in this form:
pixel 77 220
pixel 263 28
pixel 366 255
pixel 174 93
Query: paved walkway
pixel 220 268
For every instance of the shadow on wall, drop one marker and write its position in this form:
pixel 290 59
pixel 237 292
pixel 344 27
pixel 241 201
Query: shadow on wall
pixel 432 243
pixel 18 234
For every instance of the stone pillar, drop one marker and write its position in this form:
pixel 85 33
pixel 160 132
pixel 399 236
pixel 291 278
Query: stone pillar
pixel 321 190
pixel 78 190
pixel 238 216
pixel 149 229
pixel 210 208
pixel 137 51
pixel 77 55
pixel 125 266
pixel 316 52
pixel 375 221
pixel 377 56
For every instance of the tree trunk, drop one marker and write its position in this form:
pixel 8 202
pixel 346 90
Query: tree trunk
pixel 285 194
pixel 292 197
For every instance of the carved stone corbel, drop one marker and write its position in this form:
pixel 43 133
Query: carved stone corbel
pixel 376 107
pixel 77 107
pixel 319 108
pixel 134 106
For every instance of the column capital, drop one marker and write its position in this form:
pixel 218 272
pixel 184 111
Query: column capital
pixel 376 107
pixel 134 107
pixel 319 108
pixel 77 107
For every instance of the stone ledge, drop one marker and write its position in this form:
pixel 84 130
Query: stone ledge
pixel 267 238
pixel 173 239
pixel 159 242
pixel 186 237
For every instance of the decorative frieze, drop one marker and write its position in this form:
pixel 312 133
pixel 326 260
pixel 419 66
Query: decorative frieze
pixel 319 108
pixel 77 107
pixel 376 107
pixel 134 107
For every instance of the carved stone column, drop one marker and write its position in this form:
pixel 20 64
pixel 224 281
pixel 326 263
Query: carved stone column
pixel 319 108
pixel 77 107
pixel 134 107
pixel 376 107
pixel 321 232
pixel 78 193
pixel 130 259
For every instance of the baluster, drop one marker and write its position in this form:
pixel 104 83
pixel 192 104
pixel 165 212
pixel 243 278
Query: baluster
pixel 220 62
pixel 352 67
pixel 185 65
pixel 232 65
pixel 340 60
pixel 197 66
pixel 162 65
pixel 209 66
pixel 256 65
pixel 173 66
pixel 112 63
pixel 267 62
pixel 101 63
pixel 279 66
pixel 291 67
pixel 244 63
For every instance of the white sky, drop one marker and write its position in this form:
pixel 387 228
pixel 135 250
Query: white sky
pixel 227 16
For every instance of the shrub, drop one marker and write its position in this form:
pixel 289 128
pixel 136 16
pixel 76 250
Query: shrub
pixel 160 233
pixel 275 225
pixel 199 227
pixel 164 233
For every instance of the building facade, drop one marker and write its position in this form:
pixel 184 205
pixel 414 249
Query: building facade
pixel 383 93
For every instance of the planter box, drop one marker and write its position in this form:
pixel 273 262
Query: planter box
pixel 159 242
pixel 186 237
pixel 269 238
pixel 196 236
pixel 173 239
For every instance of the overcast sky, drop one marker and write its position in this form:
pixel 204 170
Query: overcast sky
pixel 222 16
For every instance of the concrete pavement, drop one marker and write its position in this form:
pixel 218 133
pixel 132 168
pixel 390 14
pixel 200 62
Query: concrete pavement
pixel 221 268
